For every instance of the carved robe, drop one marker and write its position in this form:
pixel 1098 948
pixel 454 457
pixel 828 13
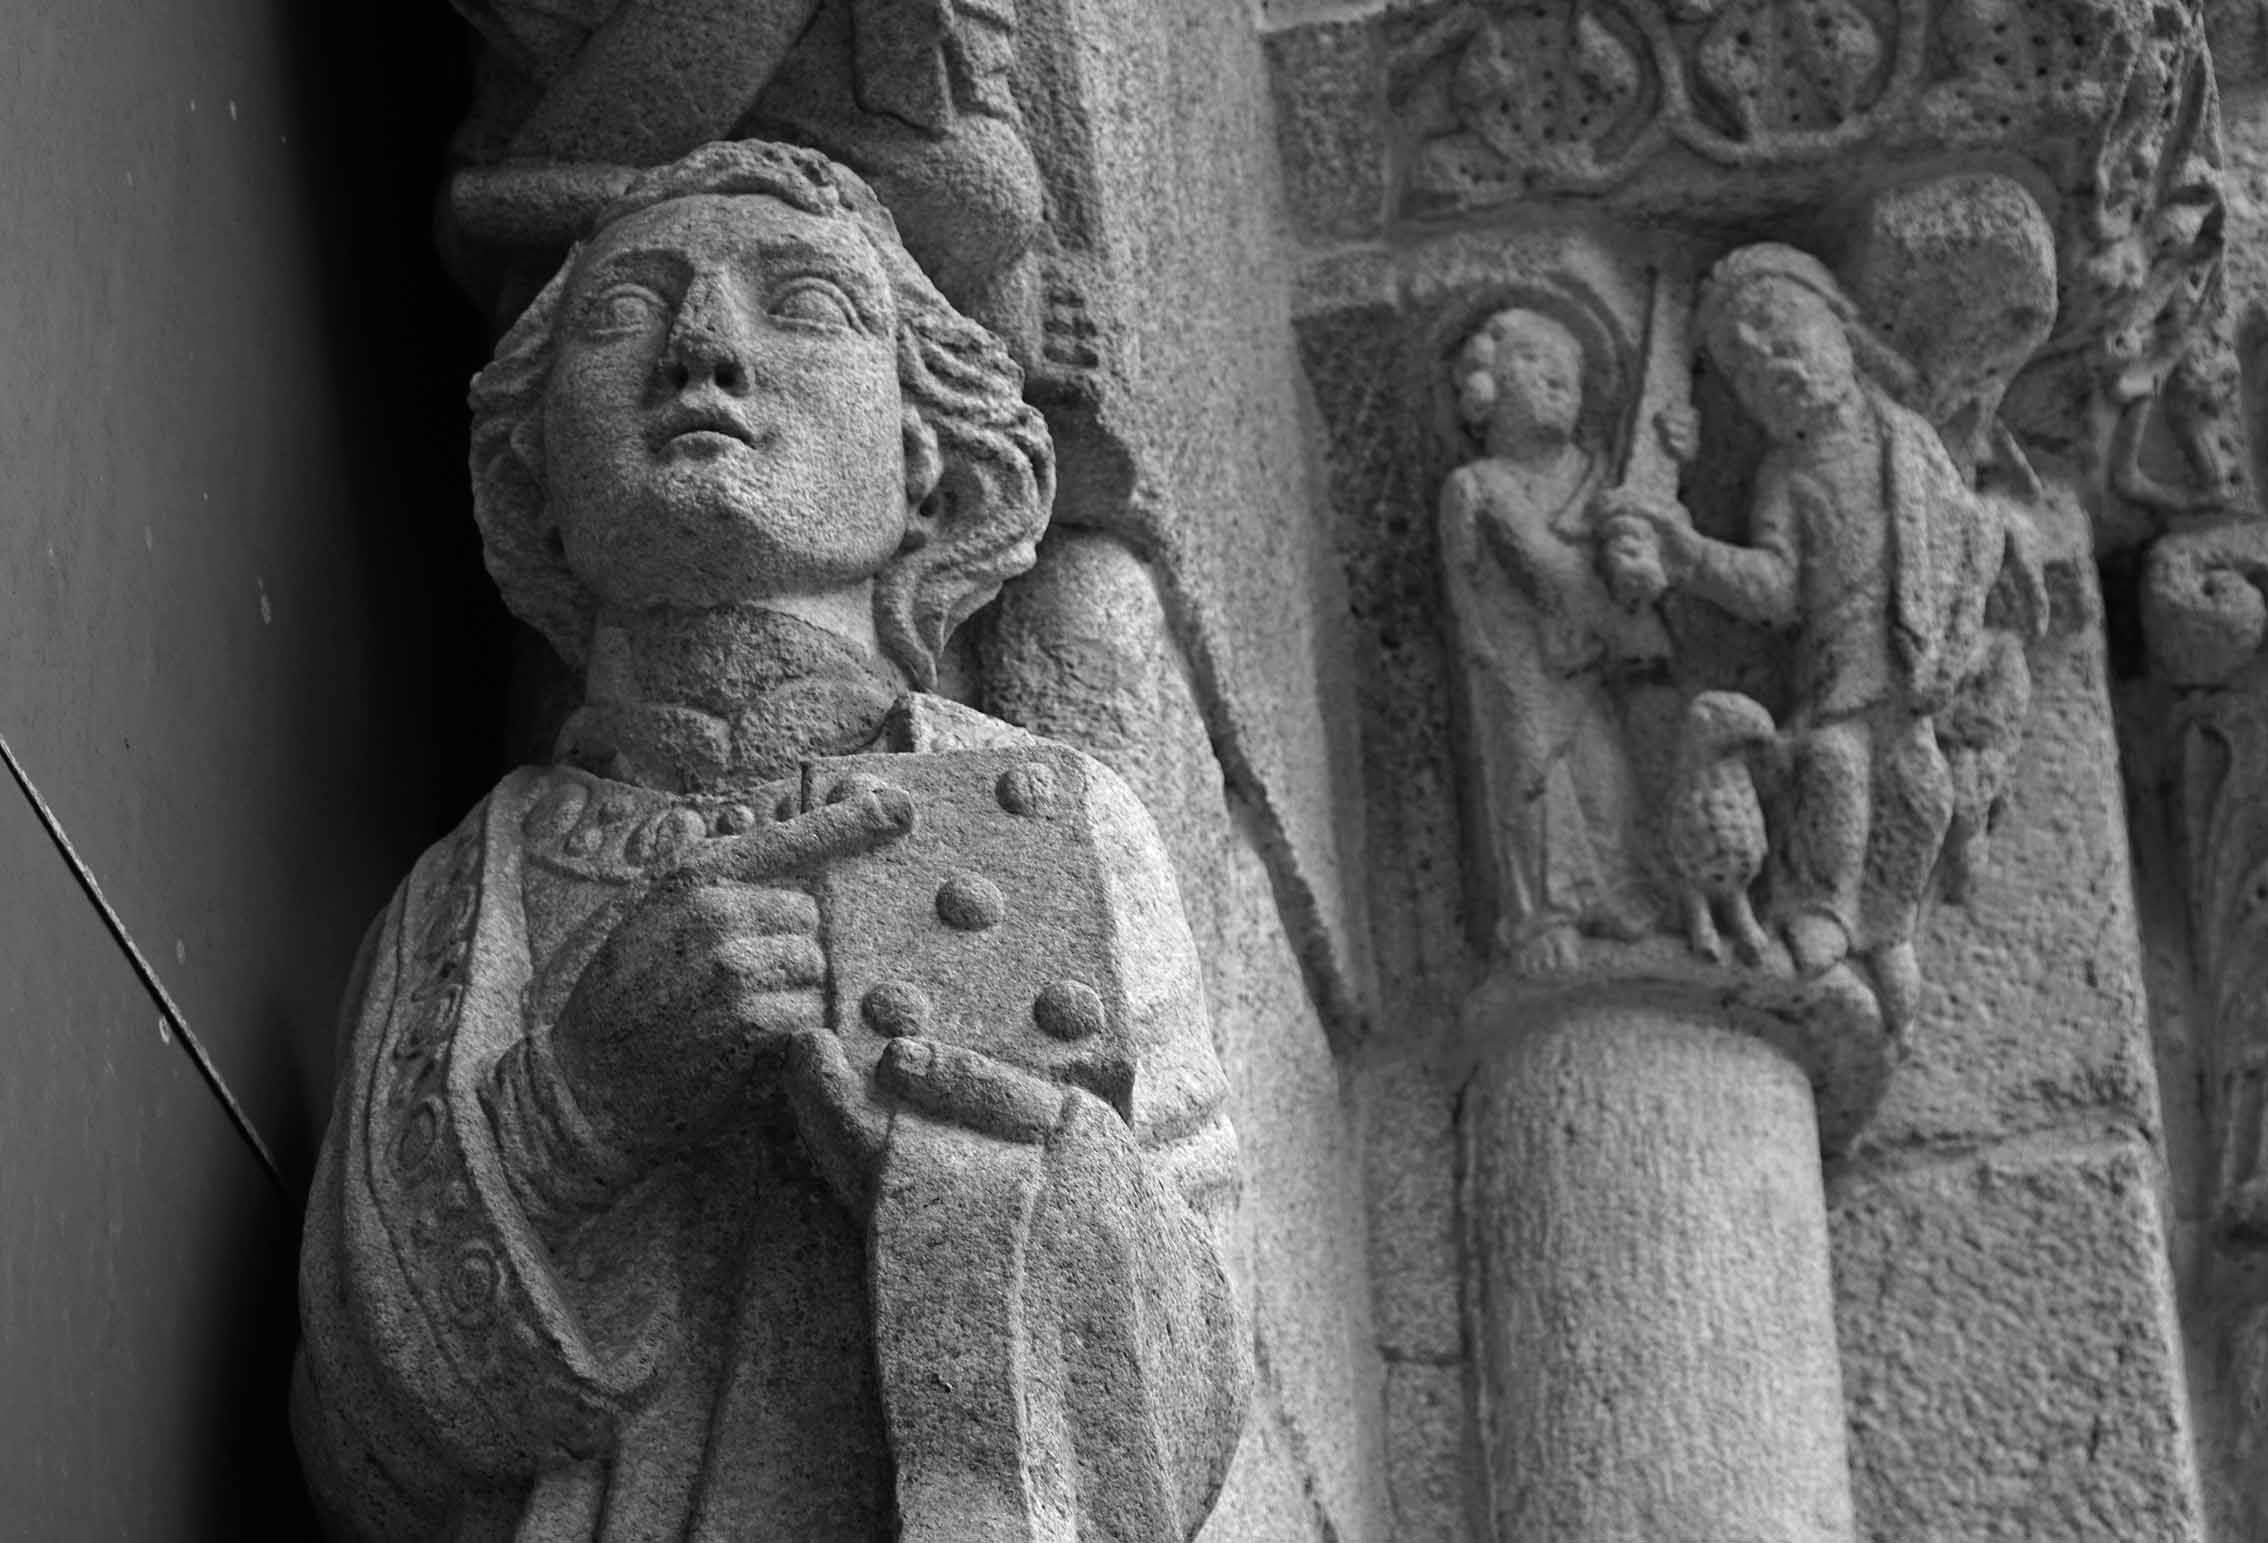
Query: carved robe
pixel 1538 635
pixel 506 1336
pixel 1880 559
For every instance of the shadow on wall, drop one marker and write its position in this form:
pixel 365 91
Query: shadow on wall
pixel 381 88
pixel 147 1308
pixel 378 88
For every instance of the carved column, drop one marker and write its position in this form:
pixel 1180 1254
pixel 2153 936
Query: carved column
pixel 1652 1303
pixel 1739 661
pixel 1649 1294
pixel 2203 605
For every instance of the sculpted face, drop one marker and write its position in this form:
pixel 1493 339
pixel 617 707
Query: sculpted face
pixel 1524 378
pixel 1787 356
pixel 723 422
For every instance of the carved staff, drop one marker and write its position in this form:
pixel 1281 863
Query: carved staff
pixel 1658 440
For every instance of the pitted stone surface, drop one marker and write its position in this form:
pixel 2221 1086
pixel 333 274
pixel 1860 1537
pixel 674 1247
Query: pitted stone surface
pixel 1480 198
pixel 2010 1354
pixel 1190 457
pixel 1082 651
pixel 1409 1140
pixel 726 1152
pixel 1333 141
pixel 2033 1016
pixel 1428 1434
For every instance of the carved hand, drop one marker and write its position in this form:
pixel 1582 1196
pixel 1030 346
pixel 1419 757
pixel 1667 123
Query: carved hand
pixel 717 961
pixel 1679 429
pixel 1623 514
pixel 1629 503
pixel 1630 556
pixel 845 1125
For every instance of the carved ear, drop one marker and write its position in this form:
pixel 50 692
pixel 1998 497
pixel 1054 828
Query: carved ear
pixel 924 465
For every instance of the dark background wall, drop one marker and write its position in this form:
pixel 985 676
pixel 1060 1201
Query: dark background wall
pixel 247 650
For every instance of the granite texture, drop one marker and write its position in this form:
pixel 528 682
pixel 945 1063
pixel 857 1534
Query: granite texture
pixel 796 1108
pixel 1055 165
pixel 2031 1017
pixel 915 97
pixel 1429 1438
pixel 1738 118
pixel 1332 129
pixel 1651 1308
pixel 1179 429
pixel 1082 650
pixel 1409 1131
pixel 1506 357
pixel 2010 1350
pixel 1567 685
pixel 2193 737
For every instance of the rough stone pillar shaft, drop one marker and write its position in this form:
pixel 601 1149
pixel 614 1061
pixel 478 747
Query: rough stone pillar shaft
pixel 1654 1311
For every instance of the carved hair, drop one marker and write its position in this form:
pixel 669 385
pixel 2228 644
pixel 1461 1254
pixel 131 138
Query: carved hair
pixel 1737 277
pixel 998 467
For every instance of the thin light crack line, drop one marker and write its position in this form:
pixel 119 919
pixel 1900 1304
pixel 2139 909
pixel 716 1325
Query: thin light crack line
pixel 150 982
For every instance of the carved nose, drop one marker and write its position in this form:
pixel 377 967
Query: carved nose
pixel 707 347
pixel 703 360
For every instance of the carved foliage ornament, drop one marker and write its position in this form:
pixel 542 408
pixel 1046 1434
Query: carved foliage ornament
pixel 1506 98
pixel 1578 97
pixel 2112 100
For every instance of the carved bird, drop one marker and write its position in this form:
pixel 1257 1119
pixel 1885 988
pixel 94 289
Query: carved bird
pixel 1715 823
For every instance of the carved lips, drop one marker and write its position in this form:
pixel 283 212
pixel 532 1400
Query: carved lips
pixel 704 429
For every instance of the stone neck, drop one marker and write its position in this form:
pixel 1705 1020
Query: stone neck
pixel 719 700
pixel 724 658
pixel 1542 452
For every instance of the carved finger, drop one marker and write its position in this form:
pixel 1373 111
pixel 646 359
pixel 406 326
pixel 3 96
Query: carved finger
pixel 763 909
pixel 962 1087
pixel 783 1014
pixel 688 919
pixel 858 823
pixel 773 963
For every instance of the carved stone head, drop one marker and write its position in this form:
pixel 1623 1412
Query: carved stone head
pixel 1775 321
pixel 1519 378
pixel 741 389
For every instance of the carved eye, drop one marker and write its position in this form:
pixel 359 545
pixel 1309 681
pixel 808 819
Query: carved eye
pixel 814 302
pixel 624 308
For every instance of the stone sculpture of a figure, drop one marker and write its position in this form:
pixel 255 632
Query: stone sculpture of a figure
pixel 1539 632
pixel 665 1195
pixel 1869 547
